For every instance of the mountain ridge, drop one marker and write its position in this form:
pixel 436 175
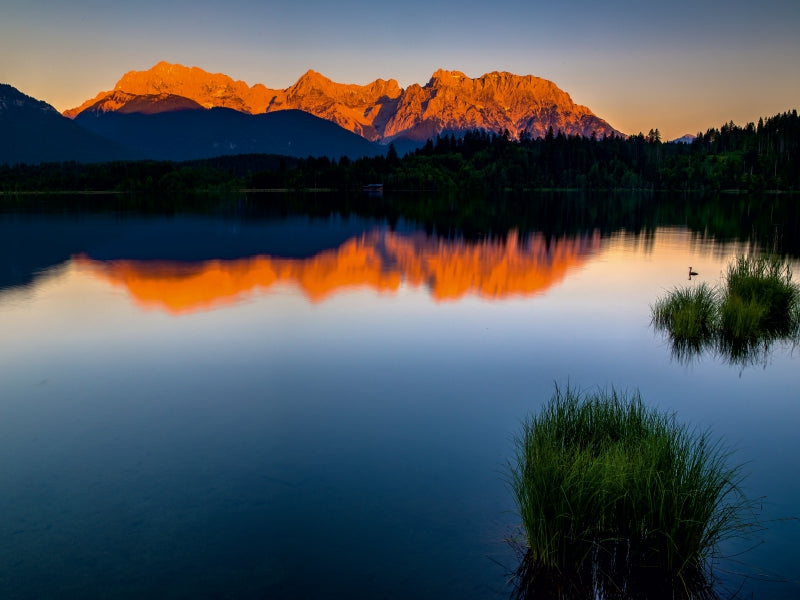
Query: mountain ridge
pixel 381 110
pixel 33 131
pixel 162 126
pixel 190 134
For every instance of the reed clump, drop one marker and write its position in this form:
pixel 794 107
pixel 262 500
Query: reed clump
pixel 688 313
pixel 756 304
pixel 610 490
pixel 759 298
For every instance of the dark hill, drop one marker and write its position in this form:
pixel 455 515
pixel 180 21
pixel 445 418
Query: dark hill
pixel 32 131
pixel 205 133
pixel 151 104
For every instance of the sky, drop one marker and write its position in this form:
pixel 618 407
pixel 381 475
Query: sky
pixel 678 66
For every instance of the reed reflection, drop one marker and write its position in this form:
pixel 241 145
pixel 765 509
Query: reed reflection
pixel 750 352
pixel 378 260
pixel 607 577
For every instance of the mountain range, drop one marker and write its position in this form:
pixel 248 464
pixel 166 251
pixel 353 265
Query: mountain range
pixel 164 128
pixel 173 112
pixel 379 111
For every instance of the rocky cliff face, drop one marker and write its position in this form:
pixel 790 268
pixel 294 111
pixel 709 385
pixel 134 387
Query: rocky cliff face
pixel 362 109
pixel 207 89
pixel 494 101
pixel 379 111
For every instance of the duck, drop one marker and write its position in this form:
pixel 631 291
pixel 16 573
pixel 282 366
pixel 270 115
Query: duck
pixel 691 272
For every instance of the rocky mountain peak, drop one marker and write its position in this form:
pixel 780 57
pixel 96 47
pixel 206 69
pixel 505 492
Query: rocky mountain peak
pixel 381 110
pixel 444 77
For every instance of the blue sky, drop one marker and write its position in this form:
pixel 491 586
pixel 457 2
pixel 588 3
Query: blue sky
pixel 678 66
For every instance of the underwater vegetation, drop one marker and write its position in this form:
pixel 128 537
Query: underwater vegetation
pixel 619 500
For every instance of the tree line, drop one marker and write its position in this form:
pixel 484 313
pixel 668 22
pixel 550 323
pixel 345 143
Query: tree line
pixel 757 157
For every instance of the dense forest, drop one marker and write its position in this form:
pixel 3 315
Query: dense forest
pixel 757 157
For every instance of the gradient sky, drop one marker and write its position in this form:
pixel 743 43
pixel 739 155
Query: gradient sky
pixel 680 66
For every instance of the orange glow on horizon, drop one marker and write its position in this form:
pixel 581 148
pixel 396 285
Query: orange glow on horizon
pixel 378 260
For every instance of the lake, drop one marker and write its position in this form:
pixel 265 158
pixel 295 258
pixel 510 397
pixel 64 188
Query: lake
pixel 240 405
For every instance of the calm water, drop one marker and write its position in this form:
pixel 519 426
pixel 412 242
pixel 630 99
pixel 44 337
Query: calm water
pixel 223 407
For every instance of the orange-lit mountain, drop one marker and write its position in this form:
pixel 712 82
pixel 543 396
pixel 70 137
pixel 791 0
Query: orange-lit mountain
pixel 362 109
pixel 381 261
pixel 451 101
pixel 207 89
pixel 379 111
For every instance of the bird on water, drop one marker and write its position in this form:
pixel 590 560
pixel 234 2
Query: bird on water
pixel 691 272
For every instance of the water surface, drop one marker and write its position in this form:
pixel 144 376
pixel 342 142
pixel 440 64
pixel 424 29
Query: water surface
pixel 210 407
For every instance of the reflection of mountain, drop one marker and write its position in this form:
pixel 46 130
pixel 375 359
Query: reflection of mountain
pixel 33 243
pixel 379 260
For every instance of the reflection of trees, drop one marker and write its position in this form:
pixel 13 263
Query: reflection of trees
pixel 768 221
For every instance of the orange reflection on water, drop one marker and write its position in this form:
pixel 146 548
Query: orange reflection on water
pixel 378 260
pixel 490 269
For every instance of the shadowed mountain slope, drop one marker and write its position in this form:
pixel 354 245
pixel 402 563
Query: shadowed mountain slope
pixel 205 133
pixel 32 131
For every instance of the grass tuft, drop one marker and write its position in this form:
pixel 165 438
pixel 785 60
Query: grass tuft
pixel 688 313
pixel 609 490
pixel 756 304
pixel 759 298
